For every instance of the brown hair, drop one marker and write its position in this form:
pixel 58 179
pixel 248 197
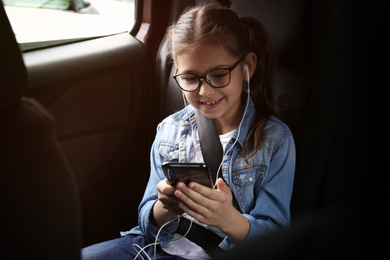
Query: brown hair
pixel 215 24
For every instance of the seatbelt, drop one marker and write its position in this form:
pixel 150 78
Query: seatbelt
pixel 211 147
pixel 210 143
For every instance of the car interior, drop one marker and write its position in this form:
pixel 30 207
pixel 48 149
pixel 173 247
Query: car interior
pixel 78 120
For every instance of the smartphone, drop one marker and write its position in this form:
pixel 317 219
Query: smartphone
pixel 187 172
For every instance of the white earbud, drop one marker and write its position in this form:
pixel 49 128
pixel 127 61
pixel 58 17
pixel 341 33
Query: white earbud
pixel 247 72
pixel 247 77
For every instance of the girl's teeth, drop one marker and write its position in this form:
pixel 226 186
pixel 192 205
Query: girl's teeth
pixel 212 102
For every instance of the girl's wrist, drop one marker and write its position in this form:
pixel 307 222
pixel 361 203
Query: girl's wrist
pixel 236 227
pixel 160 216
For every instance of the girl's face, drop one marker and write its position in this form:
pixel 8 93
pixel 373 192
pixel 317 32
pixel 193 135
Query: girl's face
pixel 224 105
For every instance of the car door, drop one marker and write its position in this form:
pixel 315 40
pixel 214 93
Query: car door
pixel 95 91
pixel 100 96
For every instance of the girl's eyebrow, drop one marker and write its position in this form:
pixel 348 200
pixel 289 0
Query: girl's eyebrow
pixel 196 73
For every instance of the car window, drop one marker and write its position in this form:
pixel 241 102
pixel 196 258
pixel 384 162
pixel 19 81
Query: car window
pixel 40 23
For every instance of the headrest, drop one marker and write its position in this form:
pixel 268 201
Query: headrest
pixel 13 75
pixel 282 19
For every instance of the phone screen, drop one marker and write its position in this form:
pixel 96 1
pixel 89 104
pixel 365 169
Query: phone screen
pixel 187 172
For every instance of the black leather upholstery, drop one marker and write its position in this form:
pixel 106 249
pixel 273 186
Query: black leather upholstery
pixel 337 184
pixel 41 216
pixel 287 26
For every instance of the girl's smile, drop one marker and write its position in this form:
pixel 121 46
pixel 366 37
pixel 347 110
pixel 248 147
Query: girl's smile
pixel 211 104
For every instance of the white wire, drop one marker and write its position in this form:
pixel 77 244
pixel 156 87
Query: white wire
pixel 142 250
pixel 238 134
pixel 188 230
pixel 152 244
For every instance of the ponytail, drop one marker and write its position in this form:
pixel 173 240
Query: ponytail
pixel 262 82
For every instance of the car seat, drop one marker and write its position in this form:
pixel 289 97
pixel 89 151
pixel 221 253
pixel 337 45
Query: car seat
pixel 41 215
pixel 296 29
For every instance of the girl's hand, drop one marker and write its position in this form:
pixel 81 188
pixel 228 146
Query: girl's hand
pixel 213 207
pixel 166 207
pixel 166 195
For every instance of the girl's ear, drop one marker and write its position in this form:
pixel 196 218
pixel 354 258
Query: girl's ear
pixel 249 65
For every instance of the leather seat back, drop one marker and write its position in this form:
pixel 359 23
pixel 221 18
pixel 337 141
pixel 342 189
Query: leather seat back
pixel 287 26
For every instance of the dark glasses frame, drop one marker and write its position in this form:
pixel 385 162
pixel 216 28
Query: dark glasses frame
pixel 230 69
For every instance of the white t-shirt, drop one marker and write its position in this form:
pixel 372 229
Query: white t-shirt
pixel 181 246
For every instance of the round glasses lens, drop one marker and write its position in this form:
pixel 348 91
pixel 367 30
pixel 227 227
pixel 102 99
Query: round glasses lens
pixel 219 77
pixel 188 81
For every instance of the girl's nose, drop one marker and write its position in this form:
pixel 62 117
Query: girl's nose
pixel 205 89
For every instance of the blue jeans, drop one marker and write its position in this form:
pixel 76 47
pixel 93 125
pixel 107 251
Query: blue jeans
pixel 123 248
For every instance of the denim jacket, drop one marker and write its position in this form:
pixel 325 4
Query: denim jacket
pixel 263 191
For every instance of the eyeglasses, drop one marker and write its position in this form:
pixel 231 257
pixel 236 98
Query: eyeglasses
pixel 216 78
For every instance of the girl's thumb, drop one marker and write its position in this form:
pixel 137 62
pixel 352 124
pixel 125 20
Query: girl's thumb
pixel 221 185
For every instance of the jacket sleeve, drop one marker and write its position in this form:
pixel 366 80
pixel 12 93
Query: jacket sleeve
pixel 150 197
pixel 272 208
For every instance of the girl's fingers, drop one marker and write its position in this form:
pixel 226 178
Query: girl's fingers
pixel 192 208
pixel 196 192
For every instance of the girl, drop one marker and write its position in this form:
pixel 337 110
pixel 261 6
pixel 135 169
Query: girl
pixel 220 59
